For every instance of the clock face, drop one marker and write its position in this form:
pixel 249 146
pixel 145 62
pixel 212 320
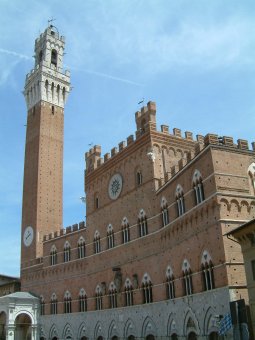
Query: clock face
pixel 28 236
pixel 115 186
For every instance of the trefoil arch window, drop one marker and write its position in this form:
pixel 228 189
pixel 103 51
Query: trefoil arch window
pixel 67 252
pixel 187 278
pixel 207 271
pixel 125 230
pixel 129 301
pixel 164 212
pixel 139 177
pixel 198 187
pixel 54 304
pixel 53 255
pixel 110 236
pixel 67 303
pixel 99 298
pixel 180 200
pixel 81 248
pixel 142 224
pixel 112 295
pixel 170 286
pixel 82 301
pixel 42 305
pixel 147 289
pixel 97 244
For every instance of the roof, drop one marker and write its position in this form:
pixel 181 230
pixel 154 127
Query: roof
pixel 243 226
pixel 19 295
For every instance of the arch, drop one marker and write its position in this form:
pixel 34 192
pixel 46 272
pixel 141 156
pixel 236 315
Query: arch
pixel 82 331
pixel 196 177
pixel 148 328
pixel 170 284
pixel 81 247
pixel 109 228
pixel 171 325
pixel 124 222
pixel 210 322
pixel 54 57
pixel 23 323
pixel 67 251
pixel 147 289
pixel 112 332
pixel 226 202
pixel 142 223
pixel 67 332
pixel 235 202
pixel 53 332
pixel 190 323
pixel 42 334
pixel 129 329
pixel 98 330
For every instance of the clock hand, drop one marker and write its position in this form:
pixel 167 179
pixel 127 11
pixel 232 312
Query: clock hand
pixel 28 236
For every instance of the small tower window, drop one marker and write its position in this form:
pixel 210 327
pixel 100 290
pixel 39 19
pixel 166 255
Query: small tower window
pixel 53 109
pixel 40 56
pixel 54 57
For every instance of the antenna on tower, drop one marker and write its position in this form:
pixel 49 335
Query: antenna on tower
pixel 50 21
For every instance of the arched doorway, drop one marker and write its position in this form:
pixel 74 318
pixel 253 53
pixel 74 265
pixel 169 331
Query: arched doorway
pixel 2 326
pixel 150 337
pixel 55 338
pixel 23 327
pixel 192 336
pixel 84 338
pixel 174 336
pixel 213 336
pixel 131 337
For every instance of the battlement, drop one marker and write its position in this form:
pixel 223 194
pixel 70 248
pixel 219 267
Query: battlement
pixel 64 231
pixel 146 122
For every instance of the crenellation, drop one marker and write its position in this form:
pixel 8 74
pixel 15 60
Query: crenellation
pixel 228 141
pixel 100 161
pixel 177 132
pixel 189 135
pixel 107 157
pixel 200 139
pixel 75 227
pixel 114 151
pixel 164 128
pixel 130 140
pixel 211 138
pixel 92 157
pixel 122 145
pixel 69 229
pixel 242 144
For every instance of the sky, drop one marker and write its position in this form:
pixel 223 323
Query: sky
pixel 195 59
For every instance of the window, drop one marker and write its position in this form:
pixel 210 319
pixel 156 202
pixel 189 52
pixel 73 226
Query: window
pixel 54 57
pixel 110 236
pixel 53 256
pixel 81 248
pixel 53 109
pixel 67 252
pixel 198 187
pixel 147 289
pixel 128 293
pixel 187 278
pixel 170 288
pixel 180 200
pixel 139 178
pixel 96 201
pixel 54 304
pixel 42 305
pixel 142 224
pixel 164 212
pixel 99 298
pixel 253 269
pixel 125 230
pixel 207 271
pixel 82 301
pixel 67 303
pixel 112 295
pixel 97 246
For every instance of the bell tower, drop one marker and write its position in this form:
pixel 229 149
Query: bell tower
pixel 46 90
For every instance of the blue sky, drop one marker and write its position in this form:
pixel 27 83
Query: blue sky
pixel 196 59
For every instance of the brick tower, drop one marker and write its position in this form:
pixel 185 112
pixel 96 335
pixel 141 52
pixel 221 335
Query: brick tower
pixel 46 89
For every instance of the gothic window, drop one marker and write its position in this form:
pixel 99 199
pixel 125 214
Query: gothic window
pixel 54 304
pixel 81 248
pixel 125 230
pixel 164 212
pixel 67 303
pixel 54 57
pixel 147 289
pixel 52 91
pixel 142 223
pixel 67 252
pixel 187 278
pixel 170 287
pixel 110 236
pixel 40 56
pixel 128 293
pixel 82 301
pixel 96 201
pixel 47 88
pixel 180 200
pixel 53 255
pixel 58 92
pixel 97 245
pixel 99 298
pixel 64 94
pixel 139 177
pixel 207 271
pixel 198 187
pixel 112 295
pixel 42 305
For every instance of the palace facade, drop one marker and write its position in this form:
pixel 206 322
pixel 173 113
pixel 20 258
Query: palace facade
pixel 152 259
